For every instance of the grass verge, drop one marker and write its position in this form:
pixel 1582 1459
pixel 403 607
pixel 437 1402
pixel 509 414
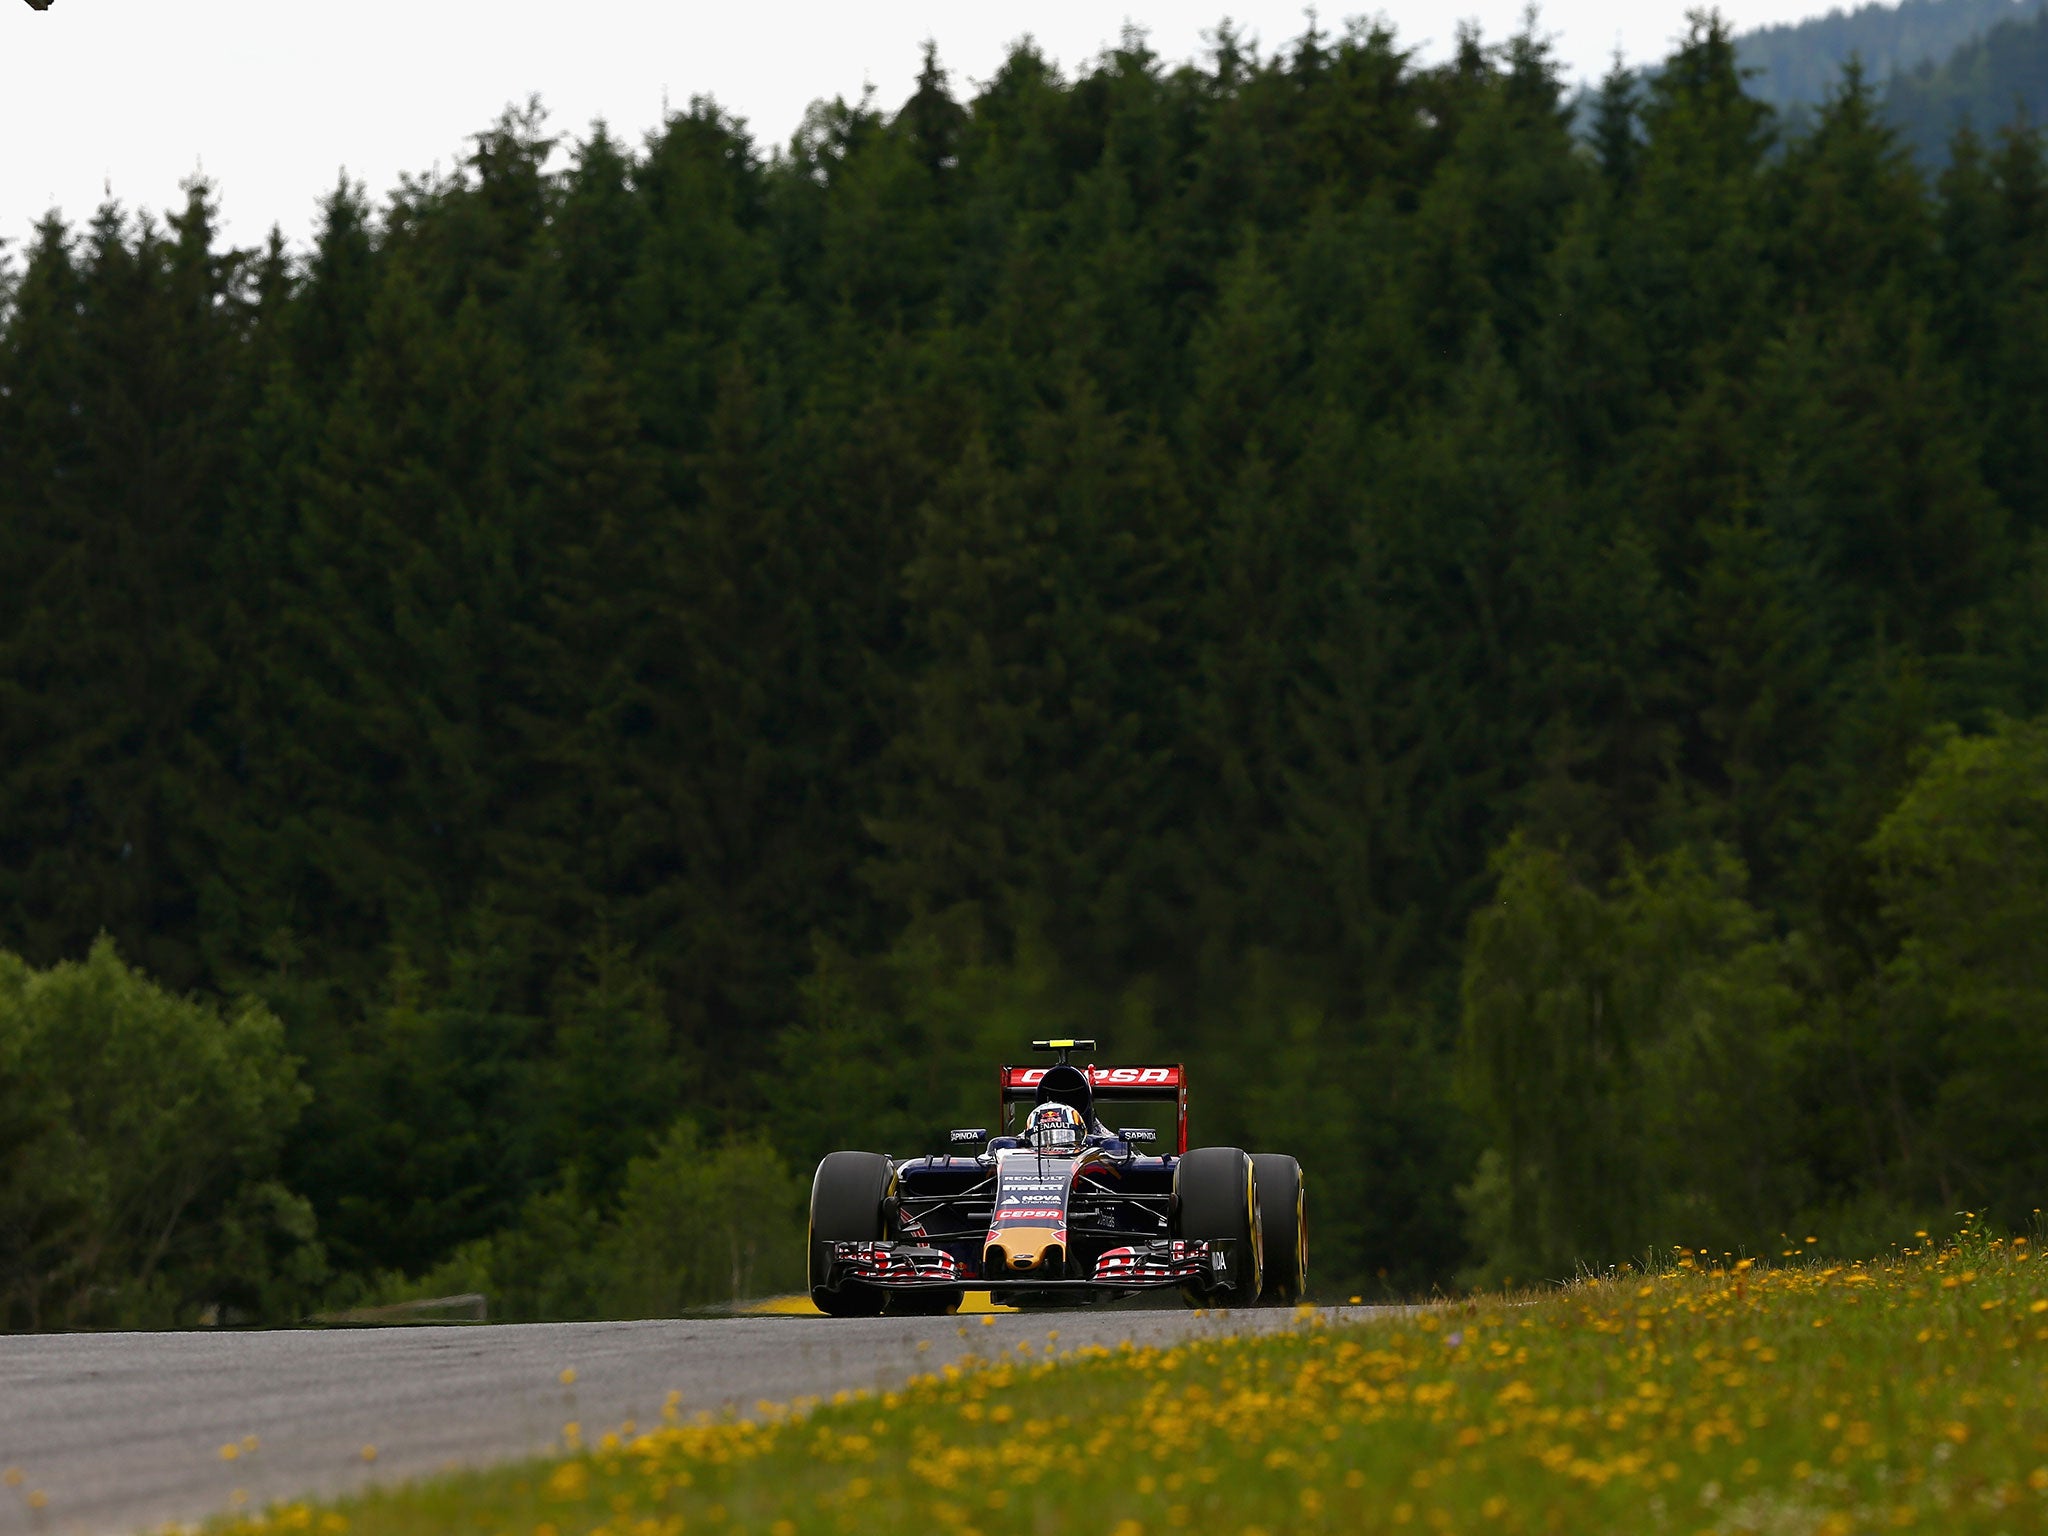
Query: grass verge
pixel 1821 1398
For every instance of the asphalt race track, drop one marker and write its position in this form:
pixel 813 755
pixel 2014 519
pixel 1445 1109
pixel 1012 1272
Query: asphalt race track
pixel 124 1432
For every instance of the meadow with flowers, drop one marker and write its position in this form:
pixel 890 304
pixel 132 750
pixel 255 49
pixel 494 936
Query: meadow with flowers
pixel 1696 1394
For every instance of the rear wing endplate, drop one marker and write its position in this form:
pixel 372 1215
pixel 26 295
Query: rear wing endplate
pixel 1167 1085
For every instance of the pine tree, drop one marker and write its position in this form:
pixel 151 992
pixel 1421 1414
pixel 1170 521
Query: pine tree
pixel 1617 132
pixel 1691 258
pixel 127 368
pixel 2014 464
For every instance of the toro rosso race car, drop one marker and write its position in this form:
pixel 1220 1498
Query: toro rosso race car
pixel 1059 1209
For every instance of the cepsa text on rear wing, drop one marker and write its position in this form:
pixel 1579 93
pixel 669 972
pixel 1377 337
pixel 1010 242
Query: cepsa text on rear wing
pixel 1112 1085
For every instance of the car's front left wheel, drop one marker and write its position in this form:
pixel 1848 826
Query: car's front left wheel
pixel 1283 1228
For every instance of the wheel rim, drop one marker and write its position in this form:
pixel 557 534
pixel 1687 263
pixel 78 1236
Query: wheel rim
pixel 1300 1237
pixel 1258 1232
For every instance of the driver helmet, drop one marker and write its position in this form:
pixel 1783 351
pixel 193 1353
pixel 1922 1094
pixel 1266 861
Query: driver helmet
pixel 1055 1128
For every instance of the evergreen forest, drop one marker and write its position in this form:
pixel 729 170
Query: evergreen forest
pixel 1516 647
pixel 1799 63
pixel 1997 77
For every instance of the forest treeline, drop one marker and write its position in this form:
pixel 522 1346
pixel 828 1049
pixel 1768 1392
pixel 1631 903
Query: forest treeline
pixel 1996 77
pixel 1798 63
pixel 1937 66
pixel 1516 653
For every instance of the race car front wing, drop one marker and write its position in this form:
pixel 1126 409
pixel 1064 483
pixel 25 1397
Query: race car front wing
pixel 1140 1266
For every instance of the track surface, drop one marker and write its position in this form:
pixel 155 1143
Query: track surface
pixel 123 1432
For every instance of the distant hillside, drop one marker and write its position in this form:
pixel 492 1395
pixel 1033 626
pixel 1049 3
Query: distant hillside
pixel 1798 64
pixel 1988 82
pixel 1935 63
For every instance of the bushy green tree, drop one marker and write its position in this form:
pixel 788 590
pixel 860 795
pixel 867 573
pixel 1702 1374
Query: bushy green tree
pixel 702 1223
pixel 694 1225
pixel 41 1230
pixel 1629 1052
pixel 1952 1020
pixel 141 1176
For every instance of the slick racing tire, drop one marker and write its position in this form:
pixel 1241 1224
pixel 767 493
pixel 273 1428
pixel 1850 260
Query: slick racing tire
pixel 1283 1226
pixel 1214 1199
pixel 846 1207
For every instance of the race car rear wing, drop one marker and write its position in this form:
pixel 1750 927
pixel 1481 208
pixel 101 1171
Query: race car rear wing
pixel 1113 1085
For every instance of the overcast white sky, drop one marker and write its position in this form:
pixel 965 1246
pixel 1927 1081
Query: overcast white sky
pixel 274 97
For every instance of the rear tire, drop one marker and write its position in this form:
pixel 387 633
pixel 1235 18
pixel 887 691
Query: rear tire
pixel 1214 1199
pixel 846 1207
pixel 1283 1224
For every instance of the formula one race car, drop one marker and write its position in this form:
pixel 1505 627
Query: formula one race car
pixel 1060 1209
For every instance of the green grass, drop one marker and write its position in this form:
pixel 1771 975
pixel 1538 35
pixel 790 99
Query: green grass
pixel 1813 1398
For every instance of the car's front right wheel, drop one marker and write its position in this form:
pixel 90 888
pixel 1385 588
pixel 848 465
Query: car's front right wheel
pixel 846 1207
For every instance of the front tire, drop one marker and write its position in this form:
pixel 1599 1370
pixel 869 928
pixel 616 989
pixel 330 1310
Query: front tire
pixel 846 1207
pixel 1283 1223
pixel 1214 1199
